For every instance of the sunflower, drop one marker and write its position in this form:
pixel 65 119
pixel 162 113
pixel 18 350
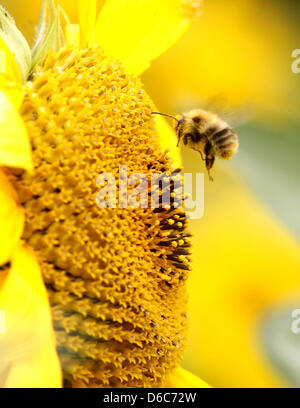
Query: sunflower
pixel 92 297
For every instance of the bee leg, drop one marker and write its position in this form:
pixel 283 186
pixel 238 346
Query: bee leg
pixel 186 138
pixel 210 176
pixel 179 130
pixel 179 133
pixel 202 157
pixel 209 162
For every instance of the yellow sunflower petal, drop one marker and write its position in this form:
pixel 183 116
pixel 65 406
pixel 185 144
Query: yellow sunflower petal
pixel 87 18
pixel 182 378
pixel 41 369
pixel 138 31
pixel 11 219
pixel 8 65
pixel 14 143
pixel 73 35
pixel 13 90
pixel 168 139
pixel 27 348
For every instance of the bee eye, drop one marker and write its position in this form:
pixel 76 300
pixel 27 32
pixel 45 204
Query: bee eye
pixel 196 119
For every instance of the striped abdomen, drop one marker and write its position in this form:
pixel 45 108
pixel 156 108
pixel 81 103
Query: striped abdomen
pixel 225 142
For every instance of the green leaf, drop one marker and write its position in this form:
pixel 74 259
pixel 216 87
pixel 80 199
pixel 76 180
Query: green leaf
pixel 268 159
pixel 16 42
pixel 50 34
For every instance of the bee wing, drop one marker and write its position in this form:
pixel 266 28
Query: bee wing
pixel 234 116
pixel 218 104
pixel 215 103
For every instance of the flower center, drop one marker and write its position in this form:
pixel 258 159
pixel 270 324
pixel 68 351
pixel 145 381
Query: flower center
pixel 115 277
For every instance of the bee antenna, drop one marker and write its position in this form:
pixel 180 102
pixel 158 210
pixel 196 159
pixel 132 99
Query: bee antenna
pixel 164 114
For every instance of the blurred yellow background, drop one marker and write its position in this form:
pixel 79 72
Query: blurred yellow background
pixel 246 247
pixel 240 48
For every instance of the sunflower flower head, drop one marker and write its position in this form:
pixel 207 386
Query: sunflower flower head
pixel 115 277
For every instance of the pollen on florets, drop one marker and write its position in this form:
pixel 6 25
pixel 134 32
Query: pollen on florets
pixel 115 277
